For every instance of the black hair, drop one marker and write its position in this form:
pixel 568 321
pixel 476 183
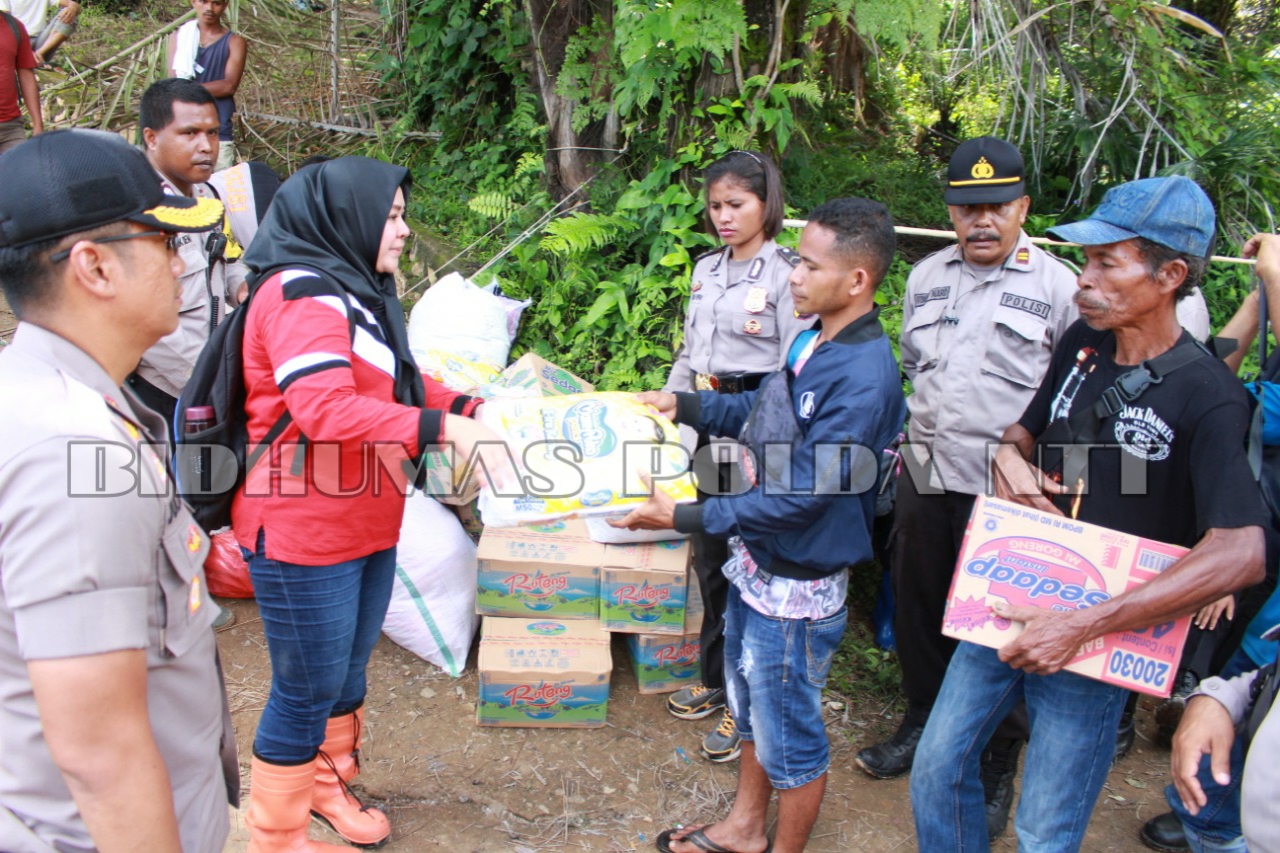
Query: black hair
pixel 27 276
pixel 156 110
pixel 758 174
pixel 313 160
pixel 863 230
pixel 1156 255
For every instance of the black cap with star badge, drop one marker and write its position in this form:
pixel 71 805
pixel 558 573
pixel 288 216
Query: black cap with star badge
pixel 985 170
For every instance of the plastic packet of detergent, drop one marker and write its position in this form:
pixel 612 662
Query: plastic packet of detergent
pixel 582 455
pixel 455 372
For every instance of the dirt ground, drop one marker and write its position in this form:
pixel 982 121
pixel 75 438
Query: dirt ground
pixel 449 784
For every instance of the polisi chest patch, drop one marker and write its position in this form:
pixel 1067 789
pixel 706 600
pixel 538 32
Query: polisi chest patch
pixel 1023 303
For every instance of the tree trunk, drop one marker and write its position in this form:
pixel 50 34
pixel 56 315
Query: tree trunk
pixel 572 156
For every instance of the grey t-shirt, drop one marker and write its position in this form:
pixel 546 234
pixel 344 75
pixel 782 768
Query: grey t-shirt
pixel 97 556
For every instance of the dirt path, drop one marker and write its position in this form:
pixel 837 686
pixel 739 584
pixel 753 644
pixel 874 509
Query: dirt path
pixel 448 784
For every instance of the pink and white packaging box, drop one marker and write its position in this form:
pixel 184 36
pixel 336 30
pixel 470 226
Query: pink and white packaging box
pixel 1031 558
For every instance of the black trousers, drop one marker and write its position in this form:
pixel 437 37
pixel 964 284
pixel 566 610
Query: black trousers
pixel 927 535
pixel 710 553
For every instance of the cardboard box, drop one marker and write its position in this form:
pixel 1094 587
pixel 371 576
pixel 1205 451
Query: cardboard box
pixel 693 606
pixel 544 673
pixel 644 587
pixel 1030 558
pixel 546 570
pixel 534 376
pixel 664 663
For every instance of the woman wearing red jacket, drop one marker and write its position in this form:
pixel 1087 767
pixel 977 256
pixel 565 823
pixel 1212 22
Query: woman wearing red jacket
pixel 325 342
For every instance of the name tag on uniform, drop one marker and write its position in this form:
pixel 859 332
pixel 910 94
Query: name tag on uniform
pixel 1022 303
pixel 932 295
pixel 757 300
pixel 757 269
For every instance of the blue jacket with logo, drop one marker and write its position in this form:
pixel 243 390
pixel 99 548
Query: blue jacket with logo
pixel 815 441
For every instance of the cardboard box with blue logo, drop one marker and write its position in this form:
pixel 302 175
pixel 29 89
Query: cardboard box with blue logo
pixel 545 673
pixel 644 587
pixel 1033 559
pixel 550 570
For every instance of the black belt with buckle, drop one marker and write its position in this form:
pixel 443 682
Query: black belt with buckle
pixel 730 383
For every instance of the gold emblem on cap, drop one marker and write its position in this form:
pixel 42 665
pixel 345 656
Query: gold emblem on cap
pixel 982 170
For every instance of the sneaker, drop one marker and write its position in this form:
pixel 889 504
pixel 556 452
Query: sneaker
pixel 724 743
pixel 696 702
pixel 893 757
pixel 1169 712
pixel 226 616
pixel 999 767
pixel 1165 833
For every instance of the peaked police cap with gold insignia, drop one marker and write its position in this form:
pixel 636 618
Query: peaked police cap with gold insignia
pixel 68 181
pixel 985 170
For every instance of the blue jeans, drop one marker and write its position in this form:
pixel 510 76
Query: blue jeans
pixel 321 624
pixel 775 670
pixel 1216 827
pixel 1073 738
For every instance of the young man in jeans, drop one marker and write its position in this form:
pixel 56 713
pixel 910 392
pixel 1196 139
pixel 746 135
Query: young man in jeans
pixel 806 519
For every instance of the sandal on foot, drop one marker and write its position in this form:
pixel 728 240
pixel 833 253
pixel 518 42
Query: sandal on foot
pixel 698 839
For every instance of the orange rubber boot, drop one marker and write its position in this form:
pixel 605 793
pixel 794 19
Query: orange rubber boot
pixel 280 810
pixel 333 801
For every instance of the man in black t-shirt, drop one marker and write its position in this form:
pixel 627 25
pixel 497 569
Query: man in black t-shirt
pixel 1168 464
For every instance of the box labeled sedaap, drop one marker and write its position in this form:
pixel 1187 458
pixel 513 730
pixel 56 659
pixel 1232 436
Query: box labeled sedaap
pixel 550 569
pixel 663 662
pixel 1033 559
pixel 545 673
pixel 533 375
pixel 644 587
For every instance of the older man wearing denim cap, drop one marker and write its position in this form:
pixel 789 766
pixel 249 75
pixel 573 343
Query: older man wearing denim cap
pixel 1177 424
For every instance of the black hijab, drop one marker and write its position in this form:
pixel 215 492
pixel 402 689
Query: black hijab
pixel 329 218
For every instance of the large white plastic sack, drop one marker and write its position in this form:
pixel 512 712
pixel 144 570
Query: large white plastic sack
pixel 433 600
pixel 468 323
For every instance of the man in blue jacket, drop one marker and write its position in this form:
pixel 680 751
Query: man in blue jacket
pixel 812 436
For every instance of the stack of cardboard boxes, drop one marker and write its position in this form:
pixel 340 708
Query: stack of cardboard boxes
pixel 551 596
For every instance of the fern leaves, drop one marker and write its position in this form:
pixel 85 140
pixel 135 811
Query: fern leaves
pixel 582 232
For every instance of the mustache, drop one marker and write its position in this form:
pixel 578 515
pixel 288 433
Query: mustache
pixel 1083 300
pixel 977 236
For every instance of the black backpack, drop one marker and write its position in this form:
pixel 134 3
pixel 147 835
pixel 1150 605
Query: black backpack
pixel 210 464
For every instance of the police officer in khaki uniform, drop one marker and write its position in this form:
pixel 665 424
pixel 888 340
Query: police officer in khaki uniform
pixel 180 130
pixel 740 324
pixel 114 730
pixel 980 319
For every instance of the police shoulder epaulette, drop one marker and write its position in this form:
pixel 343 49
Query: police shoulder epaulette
pixel 791 256
pixel 708 254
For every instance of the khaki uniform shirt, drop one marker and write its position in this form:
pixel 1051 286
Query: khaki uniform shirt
pixel 975 350
pixel 741 326
pixel 97 555
pixel 169 362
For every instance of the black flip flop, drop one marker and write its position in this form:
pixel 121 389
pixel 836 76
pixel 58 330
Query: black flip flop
pixel 698 839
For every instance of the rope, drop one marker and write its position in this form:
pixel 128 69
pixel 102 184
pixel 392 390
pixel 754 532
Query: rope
pixel 1042 241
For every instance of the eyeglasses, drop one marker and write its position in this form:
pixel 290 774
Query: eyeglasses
pixel 170 242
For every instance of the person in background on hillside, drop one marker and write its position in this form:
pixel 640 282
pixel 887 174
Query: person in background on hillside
pixel 1184 426
pixel 206 51
pixel 325 343
pixel 980 323
pixel 114 727
pixel 740 323
pixel 795 531
pixel 47 34
pixel 17 80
